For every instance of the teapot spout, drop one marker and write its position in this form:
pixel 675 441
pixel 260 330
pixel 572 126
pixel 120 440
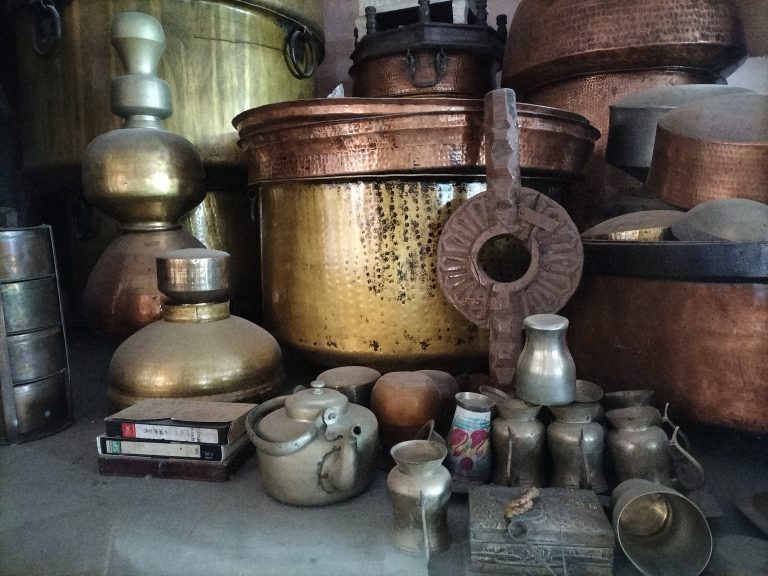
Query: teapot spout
pixel 343 467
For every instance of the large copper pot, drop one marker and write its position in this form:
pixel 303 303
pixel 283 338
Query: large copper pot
pixel 553 40
pixel 232 45
pixel 688 320
pixel 354 195
pixel 712 149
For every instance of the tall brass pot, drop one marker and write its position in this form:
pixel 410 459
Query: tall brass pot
pixel 686 319
pixel 222 56
pixel 349 271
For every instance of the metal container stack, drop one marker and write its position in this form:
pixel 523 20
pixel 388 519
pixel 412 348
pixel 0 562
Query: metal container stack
pixel 34 366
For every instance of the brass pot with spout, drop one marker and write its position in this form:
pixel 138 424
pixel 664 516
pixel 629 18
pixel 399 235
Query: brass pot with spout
pixel 314 447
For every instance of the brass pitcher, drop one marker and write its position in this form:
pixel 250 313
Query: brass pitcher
pixel 420 488
pixel 546 373
pixel 517 444
pixel 576 443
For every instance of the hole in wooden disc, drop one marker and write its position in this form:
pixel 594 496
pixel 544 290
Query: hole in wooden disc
pixel 504 258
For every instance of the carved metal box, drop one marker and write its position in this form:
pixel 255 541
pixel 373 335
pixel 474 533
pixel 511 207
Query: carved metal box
pixel 566 532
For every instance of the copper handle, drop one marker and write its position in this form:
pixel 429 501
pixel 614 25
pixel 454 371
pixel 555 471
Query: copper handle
pixel 46 27
pixel 300 51
pixel 441 65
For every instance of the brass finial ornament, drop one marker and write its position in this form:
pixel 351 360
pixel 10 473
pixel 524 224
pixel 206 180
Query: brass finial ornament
pixel 197 350
pixel 142 175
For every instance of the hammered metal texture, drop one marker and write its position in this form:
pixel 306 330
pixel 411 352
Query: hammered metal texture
pixel 591 96
pixel 465 76
pixel 702 346
pixel 349 270
pixel 716 148
pixel 353 136
pixel 558 39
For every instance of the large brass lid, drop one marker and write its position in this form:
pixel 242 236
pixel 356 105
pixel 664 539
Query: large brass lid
pixel 557 39
pixel 356 136
pixel 194 275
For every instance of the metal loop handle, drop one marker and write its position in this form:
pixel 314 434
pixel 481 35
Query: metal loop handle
pixel 689 473
pixel 46 28
pixel 278 448
pixel 83 218
pixel 300 52
pixel 441 65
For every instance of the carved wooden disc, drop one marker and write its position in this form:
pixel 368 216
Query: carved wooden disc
pixel 553 241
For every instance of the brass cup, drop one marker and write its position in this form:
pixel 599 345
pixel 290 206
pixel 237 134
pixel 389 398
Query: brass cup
pixel 660 530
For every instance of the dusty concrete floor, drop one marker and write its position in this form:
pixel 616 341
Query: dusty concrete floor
pixel 58 516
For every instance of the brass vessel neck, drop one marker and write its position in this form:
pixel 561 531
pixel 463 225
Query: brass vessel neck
pixel 207 312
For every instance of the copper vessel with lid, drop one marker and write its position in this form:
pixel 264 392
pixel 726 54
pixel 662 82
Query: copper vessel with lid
pixel 712 149
pixel 427 58
pixel 197 349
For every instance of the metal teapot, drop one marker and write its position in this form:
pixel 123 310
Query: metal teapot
pixel 314 446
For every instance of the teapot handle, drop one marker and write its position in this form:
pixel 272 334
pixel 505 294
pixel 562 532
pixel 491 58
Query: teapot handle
pixel 278 448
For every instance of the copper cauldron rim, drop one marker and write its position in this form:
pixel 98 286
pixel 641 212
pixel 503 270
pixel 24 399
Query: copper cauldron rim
pixel 305 112
pixel 716 78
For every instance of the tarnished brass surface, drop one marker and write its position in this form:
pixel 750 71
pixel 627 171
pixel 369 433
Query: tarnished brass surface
pixel 353 136
pixel 145 178
pixel 349 271
pixel 702 346
pixel 553 40
pixel 712 149
pixel 192 275
pixel 226 360
pixel 65 96
pixel 196 312
pixel 30 304
pixel 25 254
pixel 648 225
pixel 121 295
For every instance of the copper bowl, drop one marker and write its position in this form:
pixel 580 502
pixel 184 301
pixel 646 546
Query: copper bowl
pixel 558 39
pixel 357 136
pixel 712 149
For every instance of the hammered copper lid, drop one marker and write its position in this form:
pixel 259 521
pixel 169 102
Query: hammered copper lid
pixel 194 275
pixel 558 39
pixel 714 148
pixel 359 136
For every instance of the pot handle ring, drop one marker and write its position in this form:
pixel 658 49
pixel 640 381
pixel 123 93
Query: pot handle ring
pixel 46 27
pixel 441 64
pixel 278 448
pixel 301 52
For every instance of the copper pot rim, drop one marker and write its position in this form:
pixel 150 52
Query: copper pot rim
pixel 707 77
pixel 304 113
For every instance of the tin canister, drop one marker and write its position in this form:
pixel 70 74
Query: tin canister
pixel 469 441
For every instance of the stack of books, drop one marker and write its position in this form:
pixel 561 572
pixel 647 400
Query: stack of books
pixel 175 438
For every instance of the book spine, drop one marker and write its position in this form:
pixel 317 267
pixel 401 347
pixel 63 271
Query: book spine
pixel 169 433
pixel 120 446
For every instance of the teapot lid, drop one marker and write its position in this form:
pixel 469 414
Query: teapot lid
pixel 310 403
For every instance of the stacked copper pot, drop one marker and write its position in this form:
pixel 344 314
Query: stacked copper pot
pixel 583 56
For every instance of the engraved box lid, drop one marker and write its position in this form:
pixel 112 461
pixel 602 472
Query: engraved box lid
pixel 564 525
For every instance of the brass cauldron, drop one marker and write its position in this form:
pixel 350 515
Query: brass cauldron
pixel 354 195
